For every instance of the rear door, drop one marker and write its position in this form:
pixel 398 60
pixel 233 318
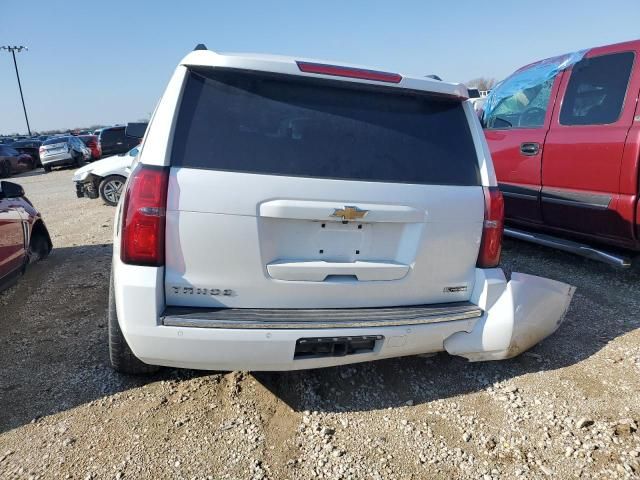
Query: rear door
pixel 584 149
pixel 287 192
pixel 12 238
pixel 515 131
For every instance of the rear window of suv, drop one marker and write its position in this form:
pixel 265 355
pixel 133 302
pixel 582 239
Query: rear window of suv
pixel 292 126
pixel 54 140
pixel 112 135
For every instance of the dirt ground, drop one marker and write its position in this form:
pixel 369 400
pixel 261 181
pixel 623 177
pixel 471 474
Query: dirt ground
pixel 569 408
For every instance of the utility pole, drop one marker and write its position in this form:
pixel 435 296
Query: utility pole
pixel 13 51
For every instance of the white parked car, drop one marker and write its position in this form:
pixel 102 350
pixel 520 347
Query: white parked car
pixel 287 214
pixel 105 178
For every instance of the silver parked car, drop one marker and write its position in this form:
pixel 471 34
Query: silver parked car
pixel 67 150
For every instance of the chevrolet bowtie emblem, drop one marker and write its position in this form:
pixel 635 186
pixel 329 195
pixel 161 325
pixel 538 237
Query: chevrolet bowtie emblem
pixel 349 213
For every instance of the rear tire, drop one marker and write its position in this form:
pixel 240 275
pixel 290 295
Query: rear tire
pixel 122 358
pixel 79 161
pixel 110 189
pixel 47 168
pixel 40 243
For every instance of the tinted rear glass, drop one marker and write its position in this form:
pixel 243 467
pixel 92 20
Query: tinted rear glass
pixel 55 140
pixel 243 122
pixel 112 135
pixel 596 90
pixel 26 144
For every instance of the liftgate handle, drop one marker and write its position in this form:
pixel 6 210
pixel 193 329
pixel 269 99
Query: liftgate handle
pixel 530 148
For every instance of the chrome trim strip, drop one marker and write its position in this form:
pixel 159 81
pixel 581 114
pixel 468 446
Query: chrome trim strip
pixel 523 196
pixel 575 198
pixel 321 318
pixel 519 191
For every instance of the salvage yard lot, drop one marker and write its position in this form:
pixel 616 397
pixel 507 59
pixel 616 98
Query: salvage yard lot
pixel 569 408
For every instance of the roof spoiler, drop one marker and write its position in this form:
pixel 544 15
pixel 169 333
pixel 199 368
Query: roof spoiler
pixel 200 46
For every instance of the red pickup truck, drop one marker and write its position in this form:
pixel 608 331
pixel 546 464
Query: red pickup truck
pixel 564 135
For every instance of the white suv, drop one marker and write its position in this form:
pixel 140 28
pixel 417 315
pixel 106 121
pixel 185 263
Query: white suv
pixel 288 214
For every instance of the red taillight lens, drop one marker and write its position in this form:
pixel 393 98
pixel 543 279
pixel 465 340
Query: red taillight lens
pixel 491 244
pixel 338 71
pixel 143 216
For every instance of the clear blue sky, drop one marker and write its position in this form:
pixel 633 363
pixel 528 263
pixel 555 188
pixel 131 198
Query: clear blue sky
pixel 108 62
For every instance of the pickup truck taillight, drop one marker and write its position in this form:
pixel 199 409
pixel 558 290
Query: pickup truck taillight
pixel 492 229
pixel 143 216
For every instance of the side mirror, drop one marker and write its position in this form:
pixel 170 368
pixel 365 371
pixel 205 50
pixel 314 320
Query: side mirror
pixel 10 190
pixel 136 129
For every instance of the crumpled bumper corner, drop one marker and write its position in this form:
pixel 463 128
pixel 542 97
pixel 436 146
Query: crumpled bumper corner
pixel 518 314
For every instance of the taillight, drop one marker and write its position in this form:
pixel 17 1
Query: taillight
pixel 350 72
pixel 143 216
pixel 42 150
pixel 493 226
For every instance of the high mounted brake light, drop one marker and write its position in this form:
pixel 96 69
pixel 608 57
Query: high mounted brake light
pixel 143 216
pixel 349 72
pixel 492 228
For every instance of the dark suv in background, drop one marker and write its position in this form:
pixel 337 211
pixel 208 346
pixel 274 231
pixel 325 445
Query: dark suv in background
pixel 30 147
pixel 114 141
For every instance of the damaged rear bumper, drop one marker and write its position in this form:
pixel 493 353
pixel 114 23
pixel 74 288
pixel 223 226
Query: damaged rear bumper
pixel 518 314
pixel 510 317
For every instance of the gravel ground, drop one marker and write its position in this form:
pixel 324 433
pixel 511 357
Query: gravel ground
pixel 569 408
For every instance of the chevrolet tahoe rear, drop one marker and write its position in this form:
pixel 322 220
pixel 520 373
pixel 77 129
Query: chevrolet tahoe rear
pixel 288 214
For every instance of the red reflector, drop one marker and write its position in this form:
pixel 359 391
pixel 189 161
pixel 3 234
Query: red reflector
pixel 338 71
pixel 143 216
pixel 493 226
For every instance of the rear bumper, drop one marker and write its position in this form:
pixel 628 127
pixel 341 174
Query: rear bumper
pixel 60 159
pixel 316 319
pixel 509 318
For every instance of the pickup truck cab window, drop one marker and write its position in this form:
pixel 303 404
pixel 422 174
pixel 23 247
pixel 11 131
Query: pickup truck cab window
pixel 597 89
pixel 526 108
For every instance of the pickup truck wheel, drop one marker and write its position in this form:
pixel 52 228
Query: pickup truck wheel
pixel 111 188
pixel 122 358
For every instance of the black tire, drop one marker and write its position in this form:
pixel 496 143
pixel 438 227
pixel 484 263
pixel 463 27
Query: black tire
pixel 47 168
pixel 5 169
pixel 40 243
pixel 122 358
pixel 111 188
